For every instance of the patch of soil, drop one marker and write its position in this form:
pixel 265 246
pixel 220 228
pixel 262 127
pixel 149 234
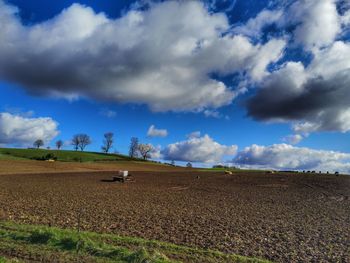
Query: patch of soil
pixel 275 185
pixel 179 188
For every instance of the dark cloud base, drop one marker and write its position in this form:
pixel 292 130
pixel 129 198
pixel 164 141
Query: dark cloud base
pixel 319 100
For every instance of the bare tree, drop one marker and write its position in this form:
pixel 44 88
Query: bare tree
pixel 107 142
pixel 59 144
pixel 75 142
pixel 134 145
pixel 145 150
pixel 84 140
pixel 38 143
pixel 80 140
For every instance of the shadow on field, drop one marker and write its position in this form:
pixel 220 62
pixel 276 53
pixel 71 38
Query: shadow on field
pixel 108 180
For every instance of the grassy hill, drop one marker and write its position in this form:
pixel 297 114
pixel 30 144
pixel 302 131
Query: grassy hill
pixel 61 155
pixel 31 161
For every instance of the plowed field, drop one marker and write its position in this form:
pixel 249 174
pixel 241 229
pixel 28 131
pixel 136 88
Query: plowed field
pixel 281 217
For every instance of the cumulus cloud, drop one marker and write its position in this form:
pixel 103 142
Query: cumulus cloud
pixel 19 130
pixel 198 149
pixel 150 56
pixel 285 157
pixel 317 22
pixel 315 98
pixel 161 56
pixel 312 96
pixel 154 132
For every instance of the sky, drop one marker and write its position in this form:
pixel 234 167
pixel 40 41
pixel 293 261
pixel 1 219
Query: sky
pixel 253 84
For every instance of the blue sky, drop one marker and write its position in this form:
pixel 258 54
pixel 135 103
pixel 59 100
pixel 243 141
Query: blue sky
pixel 244 73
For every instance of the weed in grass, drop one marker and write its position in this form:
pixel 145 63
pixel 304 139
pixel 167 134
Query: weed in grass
pixel 40 237
pixel 69 243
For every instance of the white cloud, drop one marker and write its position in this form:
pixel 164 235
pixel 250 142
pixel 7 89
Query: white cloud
pixel 337 55
pixel 156 152
pixel 198 149
pixel 314 24
pixel 215 114
pixel 272 51
pixel 255 25
pixel 154 132
pixel 346 18
pixel 150 56
pixel 108 113
pixel 318 22
pixel 293 138
pixel 306 127
pixel 161 56
pixel 19 111
pixel 285 157
pixel 19 130
pixel 225 5
pixel 212 113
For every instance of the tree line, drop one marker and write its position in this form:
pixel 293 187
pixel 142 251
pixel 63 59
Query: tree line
pixel 81 141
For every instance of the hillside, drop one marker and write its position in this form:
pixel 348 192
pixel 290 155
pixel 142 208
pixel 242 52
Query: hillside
pixel 61 155
pixel 13 161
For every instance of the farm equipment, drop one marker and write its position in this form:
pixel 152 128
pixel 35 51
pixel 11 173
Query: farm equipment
pixel 123 176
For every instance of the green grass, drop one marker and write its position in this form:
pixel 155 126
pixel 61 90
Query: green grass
pixel 4 156
pixel 68 245
pixel 62 155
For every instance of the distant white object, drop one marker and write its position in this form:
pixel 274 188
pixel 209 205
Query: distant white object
pixel 123 173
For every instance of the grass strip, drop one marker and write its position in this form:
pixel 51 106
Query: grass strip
pixel 49 243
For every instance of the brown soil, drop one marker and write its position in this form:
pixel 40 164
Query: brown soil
pixel 30 166
pixel 282 217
